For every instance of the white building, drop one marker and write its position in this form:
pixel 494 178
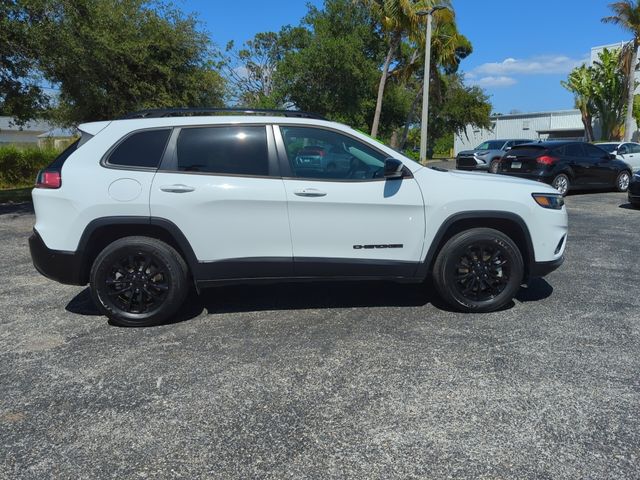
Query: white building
pixel 22 134
pixel 562 124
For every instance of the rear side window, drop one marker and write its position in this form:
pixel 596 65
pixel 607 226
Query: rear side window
pixel 142 149
pixel 235 150
pixel 574 150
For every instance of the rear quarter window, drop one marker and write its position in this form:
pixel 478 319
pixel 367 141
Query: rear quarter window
pixel 142 149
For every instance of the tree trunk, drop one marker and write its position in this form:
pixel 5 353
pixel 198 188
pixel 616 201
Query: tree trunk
pixel 588 126
pixel 395 40
pixel 412 111
pixel 629 122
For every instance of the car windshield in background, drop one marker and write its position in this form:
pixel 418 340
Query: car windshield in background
pixel 607 147
pixel 490 146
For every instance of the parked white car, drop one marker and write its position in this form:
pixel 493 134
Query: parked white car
pixel 141 208
pixel 629 152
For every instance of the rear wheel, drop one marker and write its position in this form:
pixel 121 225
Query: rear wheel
pixel 561 183
pixel 139 281
pixel 622 181
pixel 479 270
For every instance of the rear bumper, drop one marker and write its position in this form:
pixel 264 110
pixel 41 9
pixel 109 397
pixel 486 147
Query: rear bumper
pixel 542 269
pixel 63 267
pixel 542 177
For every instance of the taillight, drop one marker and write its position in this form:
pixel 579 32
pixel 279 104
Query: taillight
pixel 48 179
pixel 546 160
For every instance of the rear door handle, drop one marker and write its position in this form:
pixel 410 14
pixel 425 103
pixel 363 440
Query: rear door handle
pixel 309 192
pixel 177 188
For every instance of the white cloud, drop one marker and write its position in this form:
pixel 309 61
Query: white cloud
pixel 499 81
pixel 538 65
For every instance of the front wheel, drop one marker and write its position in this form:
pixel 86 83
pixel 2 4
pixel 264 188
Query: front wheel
pixel 561 183
pixel 139 281
pixel 479 270
pixel 494 165
pixel 622 182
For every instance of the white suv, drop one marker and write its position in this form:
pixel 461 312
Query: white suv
pixel 142 208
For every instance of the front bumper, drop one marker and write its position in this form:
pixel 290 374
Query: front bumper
pixel 542 269
pixel 466 162
pixel 63 267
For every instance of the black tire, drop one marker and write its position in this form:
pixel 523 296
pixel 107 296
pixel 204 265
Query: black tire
pixel 139 282
pixel 622 181
pixel 468 262
pixel 561 183
pixel 493 166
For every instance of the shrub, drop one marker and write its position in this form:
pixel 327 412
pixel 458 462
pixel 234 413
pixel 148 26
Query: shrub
pixel 20 165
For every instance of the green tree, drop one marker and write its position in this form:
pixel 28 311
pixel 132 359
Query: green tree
pixel 334 68
pixel 251 70
pixel 609 94
pixel 110 58
pixel 627 16
pixel 397 19
pixel 580 83
pixel 20 94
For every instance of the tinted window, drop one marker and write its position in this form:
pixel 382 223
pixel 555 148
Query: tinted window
pixel 574 150
pixel 236 150
pixel 594 152
pixel 142 149
pixel 490 145
pixel 634 148
pixel 608 147
pixel 325 154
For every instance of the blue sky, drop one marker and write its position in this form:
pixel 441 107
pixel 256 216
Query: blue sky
pixel 521 49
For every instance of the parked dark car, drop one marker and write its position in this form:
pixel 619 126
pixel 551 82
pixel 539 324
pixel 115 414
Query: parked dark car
pixel 485 155
pixel 634 190
pixel 566 165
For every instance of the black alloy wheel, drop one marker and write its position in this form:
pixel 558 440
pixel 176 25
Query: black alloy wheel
pixel 478 270
pixel 139 281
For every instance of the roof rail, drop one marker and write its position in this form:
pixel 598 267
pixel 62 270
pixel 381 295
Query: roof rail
pixel 189 112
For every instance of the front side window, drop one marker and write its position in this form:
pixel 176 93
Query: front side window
pixel 490 145
pixel 633 148
pixel 233 150
pixel 141 149
pixel 594 152
pixel 326 154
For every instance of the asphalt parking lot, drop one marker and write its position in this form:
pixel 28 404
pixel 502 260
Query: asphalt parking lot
pixel 364 381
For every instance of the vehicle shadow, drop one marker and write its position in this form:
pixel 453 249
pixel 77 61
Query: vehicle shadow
pixel 628 206
pixel 22 208
pixel 311 295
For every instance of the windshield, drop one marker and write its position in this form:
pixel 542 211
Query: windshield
pixel 608 147
pixel 490 145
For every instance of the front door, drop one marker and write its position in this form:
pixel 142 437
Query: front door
pixel 346 219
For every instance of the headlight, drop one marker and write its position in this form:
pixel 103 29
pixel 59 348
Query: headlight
pixel 549 200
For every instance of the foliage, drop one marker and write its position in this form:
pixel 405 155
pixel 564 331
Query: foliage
pixel 20 95
pixel 19 166
pixel 109 58
pixel 627 16
pixel 335 67
pixel 600 92
pixel 251 70
pixel 580 83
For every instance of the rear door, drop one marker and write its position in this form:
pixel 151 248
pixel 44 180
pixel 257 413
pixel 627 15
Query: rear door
pixel 220 186
pixel 580 163
pixel 633 156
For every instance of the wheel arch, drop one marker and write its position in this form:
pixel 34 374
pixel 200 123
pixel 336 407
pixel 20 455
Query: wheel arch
pixel 102 231
pixel 508 223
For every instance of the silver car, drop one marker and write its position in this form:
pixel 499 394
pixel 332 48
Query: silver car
pixel 628 152
pixel 486 155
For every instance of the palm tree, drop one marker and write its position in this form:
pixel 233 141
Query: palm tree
pixel 397 19
pixel 627 16
pixel 580 83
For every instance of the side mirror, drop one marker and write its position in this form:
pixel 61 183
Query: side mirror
pixel 611 156
pixel 393 168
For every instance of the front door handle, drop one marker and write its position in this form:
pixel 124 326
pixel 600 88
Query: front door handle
pixel 179 188
pixel 309 192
